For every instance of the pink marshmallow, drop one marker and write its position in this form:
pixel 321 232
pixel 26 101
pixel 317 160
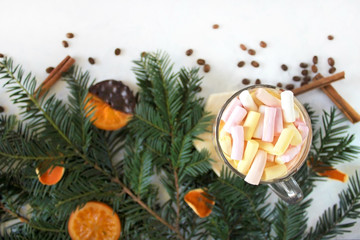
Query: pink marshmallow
pixel 268 99
pixel 278 122
pixel 257 168
pixel 259 128
pixel 235 118
pixel 230 108
pixel 269 124
pixel 290 153
pixel 237 150
pixel 304 131
pixel 298 122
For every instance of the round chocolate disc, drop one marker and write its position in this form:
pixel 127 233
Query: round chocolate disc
pixel 116 94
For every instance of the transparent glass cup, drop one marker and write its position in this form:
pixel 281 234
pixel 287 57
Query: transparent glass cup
pixel 285 187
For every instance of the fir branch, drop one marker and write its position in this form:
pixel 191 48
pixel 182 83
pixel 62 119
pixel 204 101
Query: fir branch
pixel 330 224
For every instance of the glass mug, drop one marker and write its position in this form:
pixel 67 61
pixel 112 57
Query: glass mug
pixel 285 187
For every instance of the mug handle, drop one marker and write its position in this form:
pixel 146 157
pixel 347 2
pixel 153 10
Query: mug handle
pixel 288 190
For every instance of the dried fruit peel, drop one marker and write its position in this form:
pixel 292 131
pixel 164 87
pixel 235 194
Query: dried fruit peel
pixel 199 201
pixel 52 176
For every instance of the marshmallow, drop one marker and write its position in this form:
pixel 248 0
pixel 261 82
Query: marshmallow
pixel 225 142
pixel 287 106
pixel 288 155
pixel 267 98
pixel 251 149
pixel 269 124
pixel 259 128
pixel 230 108
pixel 250 124
pixel 235 118
pixel 266 146
pixel 304 131
pixel 270 158
pixel 237 133
pixel 284 141
pixel 297 139
pixel 278 122
pixel 247 101
pixel 257 168
pixel 276 171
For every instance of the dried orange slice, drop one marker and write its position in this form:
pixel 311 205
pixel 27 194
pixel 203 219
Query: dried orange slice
pixel 105 117
pixel 95 221
pixel 52 176
pixel 334 174
pixel 200 202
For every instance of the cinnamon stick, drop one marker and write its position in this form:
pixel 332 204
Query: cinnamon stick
pixel 320 83
pixel 55 75
pixel 339 101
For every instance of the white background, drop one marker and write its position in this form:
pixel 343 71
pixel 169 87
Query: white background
pixel 31 32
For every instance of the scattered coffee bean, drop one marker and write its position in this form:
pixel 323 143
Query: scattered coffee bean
pixel 49 69
pixel 246 81
pixel 1 109
pixel 303 65
pixel 284 67
pixel 252 52
pixel 200 61
pixel 263 44
pixel 243 47
pixel 91 60
pixel 303 83
pixel 331 61
pixel 330 37
pixel 289 86
pixel 314 68
pixel 255 64
pixel 69 35
pixel 257 81
pixel 296 78
pixel 215 26
pixel 206 68
pixel 65 44
pixel 189 52
pixel 332 70
pixel 117 51
pixel 1 55
pixel 307 79
pixel 241 64
pixel 304 72
pixel 315 59
pixel 279 84
pixel 143 54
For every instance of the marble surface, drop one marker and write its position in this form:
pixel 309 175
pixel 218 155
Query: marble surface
pixel 295 31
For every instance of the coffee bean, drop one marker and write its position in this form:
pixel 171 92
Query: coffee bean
pixel 331 61
pixel 241 64
pixel 246 81
pixel 69 35
pixel 263 44
pixel 279 84
pixel 332 70
pixel 307 79
pixel 304 72
pixel 215 26
pixel 255 64
pixel 257 81
pixel 314 68
pixel 284 67
pixel 315 59
pixel 1 55
pixel 65 44
pixel 206 68
pixel 91 60
pixel 117 51
pixel 252 52
pixel 303 65
pixel 243 47
pixel 49 69
pixel 143 54
pixel 200 61
pixel 189 52
pixel 330 37
pixel 1 109
pixel 289 86
pixel 296 78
